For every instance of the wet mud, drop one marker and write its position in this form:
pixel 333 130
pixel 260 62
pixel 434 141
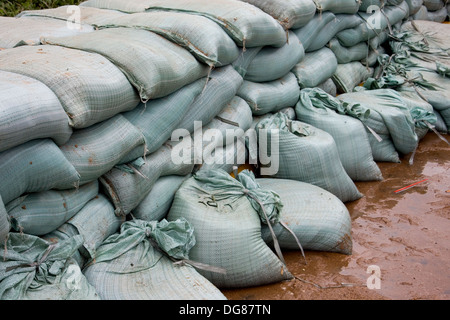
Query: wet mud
pixel 401 240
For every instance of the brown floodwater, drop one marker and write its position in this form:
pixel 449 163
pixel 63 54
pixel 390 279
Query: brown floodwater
pixel 403 236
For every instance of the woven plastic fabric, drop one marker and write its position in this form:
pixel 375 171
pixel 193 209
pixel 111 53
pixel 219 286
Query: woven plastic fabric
pixel 315 68
pixel 95 150
pixel 134 264
pixel 349 75
pixel 29 110
pixel 16 32
pixel 272 63
pixel 90 87
pixel 158 201
pixel 338 6
pixel 5 225
pixel 390 117
pixel 291 14
pixel 89 16
pixel 206 40
pixel 320 221
pixel 219 210
pixel 270 96
pixel 348 54
pixel 128 184
pixel 35 166
pixel 34 269
pixel 248 25
pixel 325 112
pixel 307 154
pixel 308 33
pixel 42 212
pixel 154 65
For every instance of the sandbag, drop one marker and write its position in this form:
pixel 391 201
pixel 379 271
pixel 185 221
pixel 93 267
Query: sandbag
pixel 315 68
pixel 328 86
pixel 414 6
pixel 291 14
pixel 307 154
pixel 154 65
pixel 138 264
pixel 270 96
pixel 34 269
pixel 35 166
pixel 221 208
pixel 29 110
pixel 128 184
pixel 438 15
pixel 157 118
pixel 365 4
pixel 348 54
pixel 42 212
pixel 94 222
pixel 95 150
pixel 308 33
pixel 272 63
pixel 338 6
pixel 319 219
pixel 5 225
pixel 340 22
pixel 16 32
pixel 246 24
pixel 223 84
pixel 206 40
pixel 433 5
pixel 87 15
pixel 390 117
pixel 329 114
pixel 101 89
pixel 349 75
pixel 421 14
pixel 157 203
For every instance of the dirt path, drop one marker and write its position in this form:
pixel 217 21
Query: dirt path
pixel 405 235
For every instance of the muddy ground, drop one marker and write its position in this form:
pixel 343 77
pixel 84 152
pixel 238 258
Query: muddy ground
pixel 405 235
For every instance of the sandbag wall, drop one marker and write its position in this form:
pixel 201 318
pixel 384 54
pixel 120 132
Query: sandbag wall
pixel 88 108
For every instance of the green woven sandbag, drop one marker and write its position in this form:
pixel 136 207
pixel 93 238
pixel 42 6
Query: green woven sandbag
pixel 305 153
pixel 29 110
pixel 42 212
pixel 340 22
pixel 365 4
pixel 320 221
pixel 390 117
pixel 373 24
pixel 5 225
pixel 227 226
pixel 35 166
pixel 158 201
pixel 221 87
pixel 291 14
pixel 433 5
pixel 272 63
pixel 438 16
pixel 338 6
pixel 139 263
pixel 329 114
pixel 68 13
pixel 308 33
pixel 349 75
pixel 207 41
pixel 329 87
pixel 128 184
pixel 248 25
pixel 414 6
pixel 29 30
pixel 94 222
pixel 154 65
pixel 348 54
pixel 315 68
pixel 270 96
pixel 34 269
pixel 157 118
pixel 95 150
pixel 90 88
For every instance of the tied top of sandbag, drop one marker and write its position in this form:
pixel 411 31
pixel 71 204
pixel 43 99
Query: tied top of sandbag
pixel 317 98
pixel 174 238
pixel 280 121
pixel 220 189
pixel 29 262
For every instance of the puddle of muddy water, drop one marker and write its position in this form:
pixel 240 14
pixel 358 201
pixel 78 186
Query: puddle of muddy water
pixel 404 234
